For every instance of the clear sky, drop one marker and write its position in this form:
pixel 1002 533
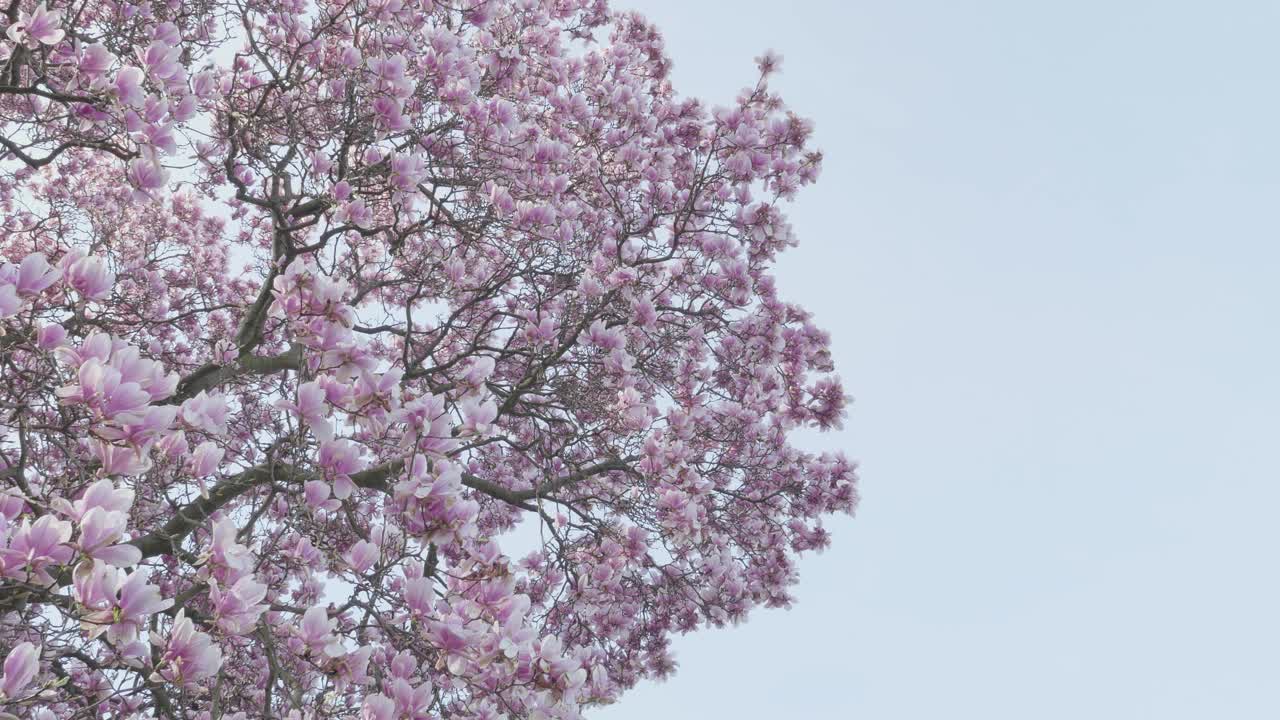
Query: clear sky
pixel 1047 243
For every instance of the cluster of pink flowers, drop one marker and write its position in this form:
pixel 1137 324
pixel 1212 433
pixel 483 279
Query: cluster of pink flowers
pixel 388 359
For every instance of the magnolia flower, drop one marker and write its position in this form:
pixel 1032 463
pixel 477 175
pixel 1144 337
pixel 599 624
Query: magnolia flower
pixel 9 302
pixel 225 552
pixel 99 531
pixel 103 388
pixel 205 459
pixel 453 640
pixel 316 493
pixel 147 175
pixel 50 336
pixel 311 409
pixel 390 70
pixel 117 460
pixel 40 27
pixel 412 701
pixel 119 609
pixel 128 86
pixel 102 494
pixel 206 412
pixel 149 374
pixel 167 33
pixel 477 415
pixel 543 332
pixel 632 409
pixel 202 85
pixel 93 61
pixel 184 110
pixel 189 656
pixel 21 666
pixel 238 608
pixel 362 555
pixel 339 458
pixel 35 274
pixel 139 428
pixel 390 114
pixel 11 504
pixel 478 370
pixel 353 668
pixel 418 596
pixel 407 170
pixel 161 60
pixel 769 62
pixel 378 707
pixel 90 277
pixel 316 633
pixel 35 546
pixel 604 337
pixel 174 445
pixel 354 212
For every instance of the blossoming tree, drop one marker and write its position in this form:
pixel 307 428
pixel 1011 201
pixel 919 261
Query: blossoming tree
pixel 387 359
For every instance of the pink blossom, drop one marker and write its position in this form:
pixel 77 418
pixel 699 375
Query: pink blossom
pixel 478 371
pixel 36 546
pixel 51 336
pixel 40 27
pixel 10 304
pixel 238 608
pixel 355 212
pixel 316 633
pixel 418 596
pixel 378 707
pixel 21 666
pixel 184 111
pixel 362 555
pixel 341 191
pixel 139 428
pixel 100 529
pixel 90 277
pixel 103 495
pixel 205 459
pixel 35 274
pixel 148 374
pixel 407 170
pixel 189 656
pixel 98 346
pixel 128 86
pixel 147 175
pixel 167 33
pixel 339 459
pixel 202 85
pixel 120 609
pixel 174 444
pixel 116 460
pixel 353 668
pixel 206 412
pixel 390 115
pixel 316 492
pixel 161 60
pixel 311 409
pixel 94 61
pixel 226 552
pixel 477 414
pixel 412 701
pixel 453 640
pixel 390 70
pixel 605 338
pixel 102 387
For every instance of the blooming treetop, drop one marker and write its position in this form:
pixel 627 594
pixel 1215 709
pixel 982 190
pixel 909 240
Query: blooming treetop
pixel 387 359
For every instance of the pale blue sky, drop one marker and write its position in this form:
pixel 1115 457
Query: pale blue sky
pixel 1047 243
